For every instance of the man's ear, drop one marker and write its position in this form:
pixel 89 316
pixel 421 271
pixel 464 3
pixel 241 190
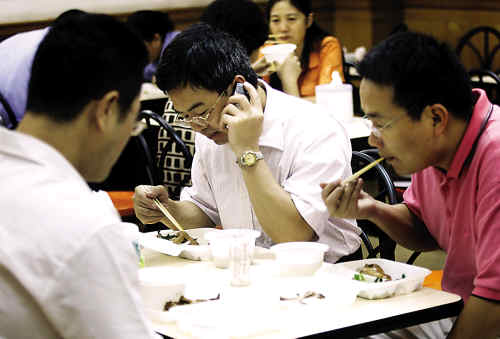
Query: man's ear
pixel 106 109
pixel 239 78
pixel 439 116
pixel 157 37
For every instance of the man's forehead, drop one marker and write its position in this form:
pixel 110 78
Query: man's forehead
pixel 186 99
pixel 377 100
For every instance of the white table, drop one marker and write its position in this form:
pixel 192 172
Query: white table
pixel 362 318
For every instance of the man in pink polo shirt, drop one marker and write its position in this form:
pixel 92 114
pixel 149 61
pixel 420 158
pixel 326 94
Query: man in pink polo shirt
pixel 428 122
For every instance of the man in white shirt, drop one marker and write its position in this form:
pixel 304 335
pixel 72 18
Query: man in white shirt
pixel 68 266
pixel 259 157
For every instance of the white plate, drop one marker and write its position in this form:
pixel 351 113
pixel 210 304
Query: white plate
pixel 413 277
pixel 192 252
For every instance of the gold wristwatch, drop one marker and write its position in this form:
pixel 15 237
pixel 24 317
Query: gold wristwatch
pixel 249 158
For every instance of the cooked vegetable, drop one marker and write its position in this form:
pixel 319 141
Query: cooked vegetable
pixel 178 238
pixel 308 294
pixel 185 301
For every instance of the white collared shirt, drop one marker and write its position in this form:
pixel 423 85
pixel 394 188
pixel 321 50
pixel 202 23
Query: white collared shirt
pixel 303 146
pixel 68 267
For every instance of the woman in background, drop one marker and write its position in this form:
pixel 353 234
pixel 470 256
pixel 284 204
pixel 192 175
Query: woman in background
pixel 317 55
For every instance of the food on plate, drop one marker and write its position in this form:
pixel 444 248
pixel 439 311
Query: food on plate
pixel 300 298
pixel 178 238
pixel 185 301
pixel 372 273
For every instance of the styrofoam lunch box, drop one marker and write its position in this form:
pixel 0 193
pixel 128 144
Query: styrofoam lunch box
pixel 405 278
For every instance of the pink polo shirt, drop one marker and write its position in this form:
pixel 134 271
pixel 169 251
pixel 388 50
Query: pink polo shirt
pixel 461 208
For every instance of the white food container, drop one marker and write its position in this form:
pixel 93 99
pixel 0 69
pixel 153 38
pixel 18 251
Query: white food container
pixel 299 258
pixel 278 53
pixel 413 277
pixel 192 252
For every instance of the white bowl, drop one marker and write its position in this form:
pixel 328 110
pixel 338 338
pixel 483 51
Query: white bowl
pixel 299 258
pixel 278 53
pixel 221 242
pixel 159 285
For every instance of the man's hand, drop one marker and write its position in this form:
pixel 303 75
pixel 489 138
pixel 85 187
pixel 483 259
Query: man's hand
pixel 244 120
pixel 347 200
pixel 144 207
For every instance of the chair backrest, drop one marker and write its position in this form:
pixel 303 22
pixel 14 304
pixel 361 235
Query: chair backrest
pixel 484 42
pixel 379 184
pixel 174 155
pixel 135 166
pixel 488 81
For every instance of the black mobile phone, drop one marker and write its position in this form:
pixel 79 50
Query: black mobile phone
pixel 241 90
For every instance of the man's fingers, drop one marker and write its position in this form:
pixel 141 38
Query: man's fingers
pixel 327 188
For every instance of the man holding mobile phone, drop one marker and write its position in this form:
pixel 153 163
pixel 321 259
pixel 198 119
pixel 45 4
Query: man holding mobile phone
pixel 259 157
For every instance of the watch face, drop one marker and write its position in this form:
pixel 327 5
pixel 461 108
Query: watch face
pixel 249 159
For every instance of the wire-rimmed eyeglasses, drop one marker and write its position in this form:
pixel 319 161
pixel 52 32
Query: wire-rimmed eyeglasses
pixel 377 130
pixel 200 120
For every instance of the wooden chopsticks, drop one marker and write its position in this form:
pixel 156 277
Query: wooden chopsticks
pixel 361 171
pixel 275 39
pixel 174 221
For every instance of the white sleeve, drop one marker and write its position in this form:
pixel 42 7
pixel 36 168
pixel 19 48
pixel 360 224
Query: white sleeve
pixel 200 193
pixel 323 158
pixel 96 293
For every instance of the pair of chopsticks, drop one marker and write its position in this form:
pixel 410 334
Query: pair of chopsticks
pixel 275 39
pixel 362 171
pixel 174 221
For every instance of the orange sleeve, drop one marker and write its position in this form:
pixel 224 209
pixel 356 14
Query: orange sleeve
pixel 330 59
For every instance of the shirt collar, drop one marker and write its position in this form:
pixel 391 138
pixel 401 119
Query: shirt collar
pixel 273 128
pixel 481 109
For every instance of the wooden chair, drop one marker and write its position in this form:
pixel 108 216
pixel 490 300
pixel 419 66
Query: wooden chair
pixel 484 43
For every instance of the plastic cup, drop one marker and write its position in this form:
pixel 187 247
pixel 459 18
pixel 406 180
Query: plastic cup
pixel 232 243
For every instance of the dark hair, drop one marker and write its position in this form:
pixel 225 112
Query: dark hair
pixel 312 39
pixel 203 57
pixel 243 19
pixel 81 58
pixel 148 23
pixel 422 72
pixel 69 13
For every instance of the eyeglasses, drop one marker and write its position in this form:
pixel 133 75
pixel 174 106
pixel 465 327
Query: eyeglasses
pixel 377 131
pixel 200 120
